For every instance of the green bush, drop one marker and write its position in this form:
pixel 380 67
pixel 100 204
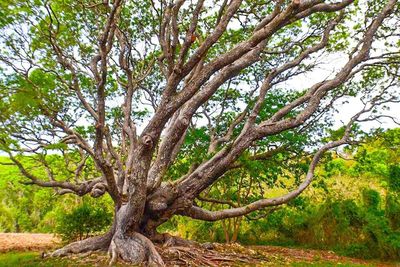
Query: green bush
pixel 392 210
pixel 371 199
pixel 364 228
pixel 394 177
pixel 82 221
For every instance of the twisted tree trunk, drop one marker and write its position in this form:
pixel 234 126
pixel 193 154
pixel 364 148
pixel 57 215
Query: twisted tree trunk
pixel 130 244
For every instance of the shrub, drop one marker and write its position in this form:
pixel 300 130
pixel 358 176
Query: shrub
pixel 394 177
pixel 82 221
pixel 392 210
pixel 365 228
pixel 371 199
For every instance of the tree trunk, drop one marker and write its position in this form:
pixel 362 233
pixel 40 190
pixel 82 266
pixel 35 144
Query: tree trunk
pixel 132 246
pixel 133 242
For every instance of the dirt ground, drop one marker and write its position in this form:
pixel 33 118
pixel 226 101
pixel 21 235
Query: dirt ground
pixel 238 255
pixel 24 242
pixel 212 255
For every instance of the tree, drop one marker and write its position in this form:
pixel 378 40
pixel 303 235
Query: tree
pixel 121 89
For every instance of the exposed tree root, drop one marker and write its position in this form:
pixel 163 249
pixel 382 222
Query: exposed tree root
pixel 167 240
pixel 199 256
pixel 91 244
pixel 230 255
pixel 136 249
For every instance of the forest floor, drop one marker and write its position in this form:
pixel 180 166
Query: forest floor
pixel 26 250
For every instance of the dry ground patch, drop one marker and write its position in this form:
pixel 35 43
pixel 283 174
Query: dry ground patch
pixel 25 241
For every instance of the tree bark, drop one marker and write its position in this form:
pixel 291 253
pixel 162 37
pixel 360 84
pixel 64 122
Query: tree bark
pixel 134 248
pixel 97 243
pixel 129 244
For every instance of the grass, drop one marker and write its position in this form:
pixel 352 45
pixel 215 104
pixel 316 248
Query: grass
pixel 327 264
pixel 28 259
pixel 33 259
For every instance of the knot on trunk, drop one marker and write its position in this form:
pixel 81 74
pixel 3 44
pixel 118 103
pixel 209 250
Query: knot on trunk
pixel 147 141
pixel 185 120
pixel 157 205
pixel 162 197
pixel 98 190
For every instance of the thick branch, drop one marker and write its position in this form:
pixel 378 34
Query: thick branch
pixel 199 213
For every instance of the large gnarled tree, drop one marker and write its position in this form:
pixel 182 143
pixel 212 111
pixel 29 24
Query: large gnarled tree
pixel 116 88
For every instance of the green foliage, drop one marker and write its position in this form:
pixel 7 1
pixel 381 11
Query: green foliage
pixel 371 199
pixel 394 177
pixel 82 221
pixel 29 208
pixel 352 229
pixel 353 206
pixel 392 209
pixel 22 208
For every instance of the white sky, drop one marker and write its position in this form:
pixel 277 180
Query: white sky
pixel 333 64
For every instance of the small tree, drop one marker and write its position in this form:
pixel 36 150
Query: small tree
pixel 121 89
pixel 82 222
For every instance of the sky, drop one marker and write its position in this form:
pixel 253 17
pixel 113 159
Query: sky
pixel 331 64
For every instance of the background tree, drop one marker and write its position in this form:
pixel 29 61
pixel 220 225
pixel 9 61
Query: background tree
pixel 121 90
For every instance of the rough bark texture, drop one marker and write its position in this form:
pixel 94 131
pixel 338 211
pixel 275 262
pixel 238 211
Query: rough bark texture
pixel 130 245
pixel 101 243
pixel 134 248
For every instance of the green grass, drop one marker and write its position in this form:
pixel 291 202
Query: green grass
pixel 329 264
pixel 27 259
pixel 33 259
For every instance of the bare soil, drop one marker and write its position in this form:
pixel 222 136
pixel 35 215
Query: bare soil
pixel 238 255
pixel 25 241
